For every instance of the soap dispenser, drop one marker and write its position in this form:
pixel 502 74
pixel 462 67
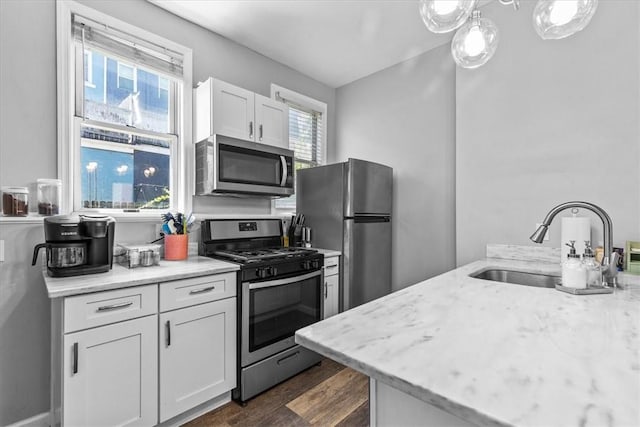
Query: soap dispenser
pixel 574 274
pixel 594 273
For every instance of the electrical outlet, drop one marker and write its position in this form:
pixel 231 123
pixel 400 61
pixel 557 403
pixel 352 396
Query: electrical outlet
pixel 546 235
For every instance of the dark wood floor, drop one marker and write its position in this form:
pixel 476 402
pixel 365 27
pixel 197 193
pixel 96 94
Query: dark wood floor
pixel 325 395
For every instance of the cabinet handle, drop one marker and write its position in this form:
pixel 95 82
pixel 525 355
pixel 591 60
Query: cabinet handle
pixel 75 357
pixel 167 327
pixel 115 306
pixel 251 129
pixel 260 130
pixel 200 291
pixel 325 290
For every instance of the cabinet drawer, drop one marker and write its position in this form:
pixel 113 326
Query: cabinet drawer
pixel 331 261
pixel 102 308
pixel 331 266
pixel 183 293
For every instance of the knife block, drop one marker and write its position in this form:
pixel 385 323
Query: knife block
pixel 295 236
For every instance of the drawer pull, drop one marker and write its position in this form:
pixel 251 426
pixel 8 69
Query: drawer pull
pixel 75 357
pixel 168 333
pixel 325 290
pixel 201 291
pixel 289 357
pixel 115 306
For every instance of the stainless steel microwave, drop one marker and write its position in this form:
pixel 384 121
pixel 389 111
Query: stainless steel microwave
pixel 235 166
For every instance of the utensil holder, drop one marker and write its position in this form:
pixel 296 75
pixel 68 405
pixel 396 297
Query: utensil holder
pixel 176 247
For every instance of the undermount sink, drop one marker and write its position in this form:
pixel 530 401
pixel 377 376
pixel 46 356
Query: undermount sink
pixel 517 277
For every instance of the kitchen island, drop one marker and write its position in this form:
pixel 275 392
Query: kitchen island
pixel 457 350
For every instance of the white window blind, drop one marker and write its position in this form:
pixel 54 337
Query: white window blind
pixel 306 138
pixel 126 46
pixel 305 134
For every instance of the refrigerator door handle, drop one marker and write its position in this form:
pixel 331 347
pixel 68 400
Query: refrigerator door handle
pixel 362 218
pixel 347 247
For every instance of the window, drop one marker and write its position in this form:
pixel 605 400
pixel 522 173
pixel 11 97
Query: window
pixel 126 78
pixel 122 138
pixel 307 133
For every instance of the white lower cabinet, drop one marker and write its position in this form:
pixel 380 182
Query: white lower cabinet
pixel 331 285
pixel 143 355
pixel 330 296
pixel 110 375
pixel 197 355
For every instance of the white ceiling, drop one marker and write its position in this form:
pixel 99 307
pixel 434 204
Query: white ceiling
pixel 332 41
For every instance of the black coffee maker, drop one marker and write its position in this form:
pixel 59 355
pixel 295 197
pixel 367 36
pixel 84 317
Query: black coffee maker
pixel 77 244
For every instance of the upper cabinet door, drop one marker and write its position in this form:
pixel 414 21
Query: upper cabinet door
pixel 272 119
pixel 233 111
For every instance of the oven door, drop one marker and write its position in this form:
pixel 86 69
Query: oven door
pixel 272 311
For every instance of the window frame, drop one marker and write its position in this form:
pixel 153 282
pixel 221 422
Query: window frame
pixel 69 141
pixel 313 104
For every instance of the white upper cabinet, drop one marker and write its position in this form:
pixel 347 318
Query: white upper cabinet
pixel 233 111
pixel 225 109
pixel 272 118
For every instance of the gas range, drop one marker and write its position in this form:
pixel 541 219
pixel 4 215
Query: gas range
pixel 280 290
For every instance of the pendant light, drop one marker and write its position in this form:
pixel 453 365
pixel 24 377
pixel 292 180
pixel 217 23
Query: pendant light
pixel 475 42
pixel 557 19
pixel 442 16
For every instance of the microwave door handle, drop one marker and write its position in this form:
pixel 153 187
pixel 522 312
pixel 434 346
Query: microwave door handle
pixel 285 171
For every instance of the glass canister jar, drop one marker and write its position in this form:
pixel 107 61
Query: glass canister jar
pixel 49 196
pixel 15 201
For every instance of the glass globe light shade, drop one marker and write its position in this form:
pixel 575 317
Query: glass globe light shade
pixel 442 16
pixel 557 19
pixel 475 42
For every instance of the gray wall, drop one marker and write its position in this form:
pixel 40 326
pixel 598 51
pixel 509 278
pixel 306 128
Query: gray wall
pixel 546 122
pixel 28 152
pixel 404 117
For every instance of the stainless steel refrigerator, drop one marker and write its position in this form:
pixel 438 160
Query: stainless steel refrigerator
pixel 348 207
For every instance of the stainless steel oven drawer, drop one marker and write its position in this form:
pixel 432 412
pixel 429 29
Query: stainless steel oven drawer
pixel 273 370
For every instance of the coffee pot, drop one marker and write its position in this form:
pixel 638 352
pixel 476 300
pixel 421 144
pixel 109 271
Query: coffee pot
pixel 77 244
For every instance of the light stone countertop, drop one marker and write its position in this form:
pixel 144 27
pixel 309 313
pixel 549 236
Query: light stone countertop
pixel 328 252
pixel 497 353
pixel 122 277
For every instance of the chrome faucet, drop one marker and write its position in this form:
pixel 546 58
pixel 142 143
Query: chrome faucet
pixel 610 259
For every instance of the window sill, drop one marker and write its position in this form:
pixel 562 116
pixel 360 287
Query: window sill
pixel 118 216
pixel 31 219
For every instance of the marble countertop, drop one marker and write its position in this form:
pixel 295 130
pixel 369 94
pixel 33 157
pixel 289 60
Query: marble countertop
pixel 496 353
pixel 122 277
pixel 328 252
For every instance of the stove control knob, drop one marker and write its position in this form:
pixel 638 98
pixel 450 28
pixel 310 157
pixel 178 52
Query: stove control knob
pixel 315 263
pixel 272 271
pixel 261 273
pixel 306 265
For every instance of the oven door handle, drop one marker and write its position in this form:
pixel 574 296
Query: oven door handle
pixel 272 283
